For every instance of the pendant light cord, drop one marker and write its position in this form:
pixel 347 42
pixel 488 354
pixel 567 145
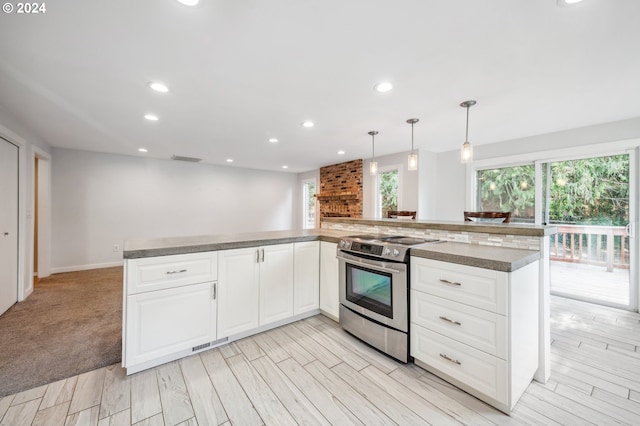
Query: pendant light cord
pixel 412 138
pixel 466 137
pixel 373 147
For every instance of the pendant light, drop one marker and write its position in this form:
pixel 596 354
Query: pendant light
pixel 412 160
pixel 466 152
pixel 373 166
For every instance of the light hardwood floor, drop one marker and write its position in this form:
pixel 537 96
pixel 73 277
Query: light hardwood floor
pixel 313 373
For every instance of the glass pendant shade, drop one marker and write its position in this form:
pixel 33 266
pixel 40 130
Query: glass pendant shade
pixel 412 161
pixel 373 168
pixel 466 153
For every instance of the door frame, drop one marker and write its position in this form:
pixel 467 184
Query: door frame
pixel 44 227
pixel 25 287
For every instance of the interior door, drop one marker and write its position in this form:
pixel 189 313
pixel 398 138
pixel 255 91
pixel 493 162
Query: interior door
pixel 8 225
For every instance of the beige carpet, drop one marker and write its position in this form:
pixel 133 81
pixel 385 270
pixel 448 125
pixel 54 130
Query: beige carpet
pixel 71 323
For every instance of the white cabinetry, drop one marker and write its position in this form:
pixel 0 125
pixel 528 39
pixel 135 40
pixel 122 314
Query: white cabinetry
pixel 169 308
pixel 477 328
pixel 276 283
pixel 256 287
pixel 306 277
pixel 329 293
pixel 238 286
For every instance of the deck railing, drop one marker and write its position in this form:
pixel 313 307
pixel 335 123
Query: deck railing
pixel 595 245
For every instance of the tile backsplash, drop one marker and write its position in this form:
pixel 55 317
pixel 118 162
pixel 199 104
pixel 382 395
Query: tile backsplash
pixel 479 238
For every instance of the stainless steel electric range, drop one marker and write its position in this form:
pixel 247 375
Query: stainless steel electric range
pixel 374 290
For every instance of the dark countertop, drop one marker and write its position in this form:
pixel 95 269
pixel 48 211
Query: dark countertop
pixel 134 249
pixel 488 257
pixel 487 227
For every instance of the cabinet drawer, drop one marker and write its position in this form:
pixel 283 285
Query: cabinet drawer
pixel 485 373
pixel 478 328
pixel 157 273
pixel 481 288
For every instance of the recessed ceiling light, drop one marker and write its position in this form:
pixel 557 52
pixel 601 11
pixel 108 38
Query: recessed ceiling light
pixel 341 152
pixel 285 167
pixel 151 117
pixel 563 3
pixel 158 86
pixel 142 150
pixel 189 2
pixel 273 140
pixel 308 124
pixel 385 86
pixel 229 160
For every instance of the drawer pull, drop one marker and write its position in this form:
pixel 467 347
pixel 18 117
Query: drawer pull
pixel 455 361
pixel 181 271
pixel 450 320
pixel 442 280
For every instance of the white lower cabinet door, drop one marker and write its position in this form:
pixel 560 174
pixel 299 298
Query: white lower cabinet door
pixel 276 283
pixel 238 290
pixel 164 322
pixel 329 288
pixel 306 277
pixel 483 372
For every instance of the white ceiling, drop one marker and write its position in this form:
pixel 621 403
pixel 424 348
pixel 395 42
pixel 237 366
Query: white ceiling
pixel 242 71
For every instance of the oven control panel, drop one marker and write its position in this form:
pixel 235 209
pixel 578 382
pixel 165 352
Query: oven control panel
pixel 366 248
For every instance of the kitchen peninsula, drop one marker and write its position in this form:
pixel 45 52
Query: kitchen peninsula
pixel 225 287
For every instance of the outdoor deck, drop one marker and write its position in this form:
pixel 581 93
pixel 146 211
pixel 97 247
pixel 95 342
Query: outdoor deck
pixel 590 282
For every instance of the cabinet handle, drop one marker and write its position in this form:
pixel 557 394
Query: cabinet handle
pixel 442 280
pixel 450 320
pixel 455 361
pixel 215 290
pixel 262 250
pixel 257 255
pixel 181 271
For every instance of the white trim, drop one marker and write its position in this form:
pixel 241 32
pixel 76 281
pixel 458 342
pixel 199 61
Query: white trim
pixel 86 267
pixel 36 152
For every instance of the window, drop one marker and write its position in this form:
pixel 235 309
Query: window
pixel 387 184
pixel 507 189
pixel 308 203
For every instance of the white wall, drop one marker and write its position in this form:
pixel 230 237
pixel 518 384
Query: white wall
pixel 102 199
pixel 450 187
pixel 408 195
pixel 14 131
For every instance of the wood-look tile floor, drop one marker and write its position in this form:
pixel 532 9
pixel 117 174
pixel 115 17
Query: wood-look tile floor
pixel 312 372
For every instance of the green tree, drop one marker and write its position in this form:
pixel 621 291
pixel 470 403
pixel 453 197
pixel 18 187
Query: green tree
pixel 590 191
pixel 587 191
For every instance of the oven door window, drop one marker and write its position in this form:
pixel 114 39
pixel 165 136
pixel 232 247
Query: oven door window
pixel 370 289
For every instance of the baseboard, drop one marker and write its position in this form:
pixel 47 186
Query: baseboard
pixel 85 267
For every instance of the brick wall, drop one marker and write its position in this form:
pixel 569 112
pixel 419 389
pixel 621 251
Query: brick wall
pixel 341 190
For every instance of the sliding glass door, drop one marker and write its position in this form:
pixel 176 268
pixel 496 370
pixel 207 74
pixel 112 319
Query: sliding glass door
pixel 589 200
pixel 592 201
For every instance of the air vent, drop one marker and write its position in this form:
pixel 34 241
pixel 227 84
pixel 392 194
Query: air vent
pixel 189 159
pixel 197 348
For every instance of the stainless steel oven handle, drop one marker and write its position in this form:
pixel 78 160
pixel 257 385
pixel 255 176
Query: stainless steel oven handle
pixel 354 259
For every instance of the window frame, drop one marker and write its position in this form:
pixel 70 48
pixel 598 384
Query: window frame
pixel 305 209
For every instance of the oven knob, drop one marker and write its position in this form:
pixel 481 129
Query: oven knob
pixel 387 251
pixel 396 253
pixel 342 243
